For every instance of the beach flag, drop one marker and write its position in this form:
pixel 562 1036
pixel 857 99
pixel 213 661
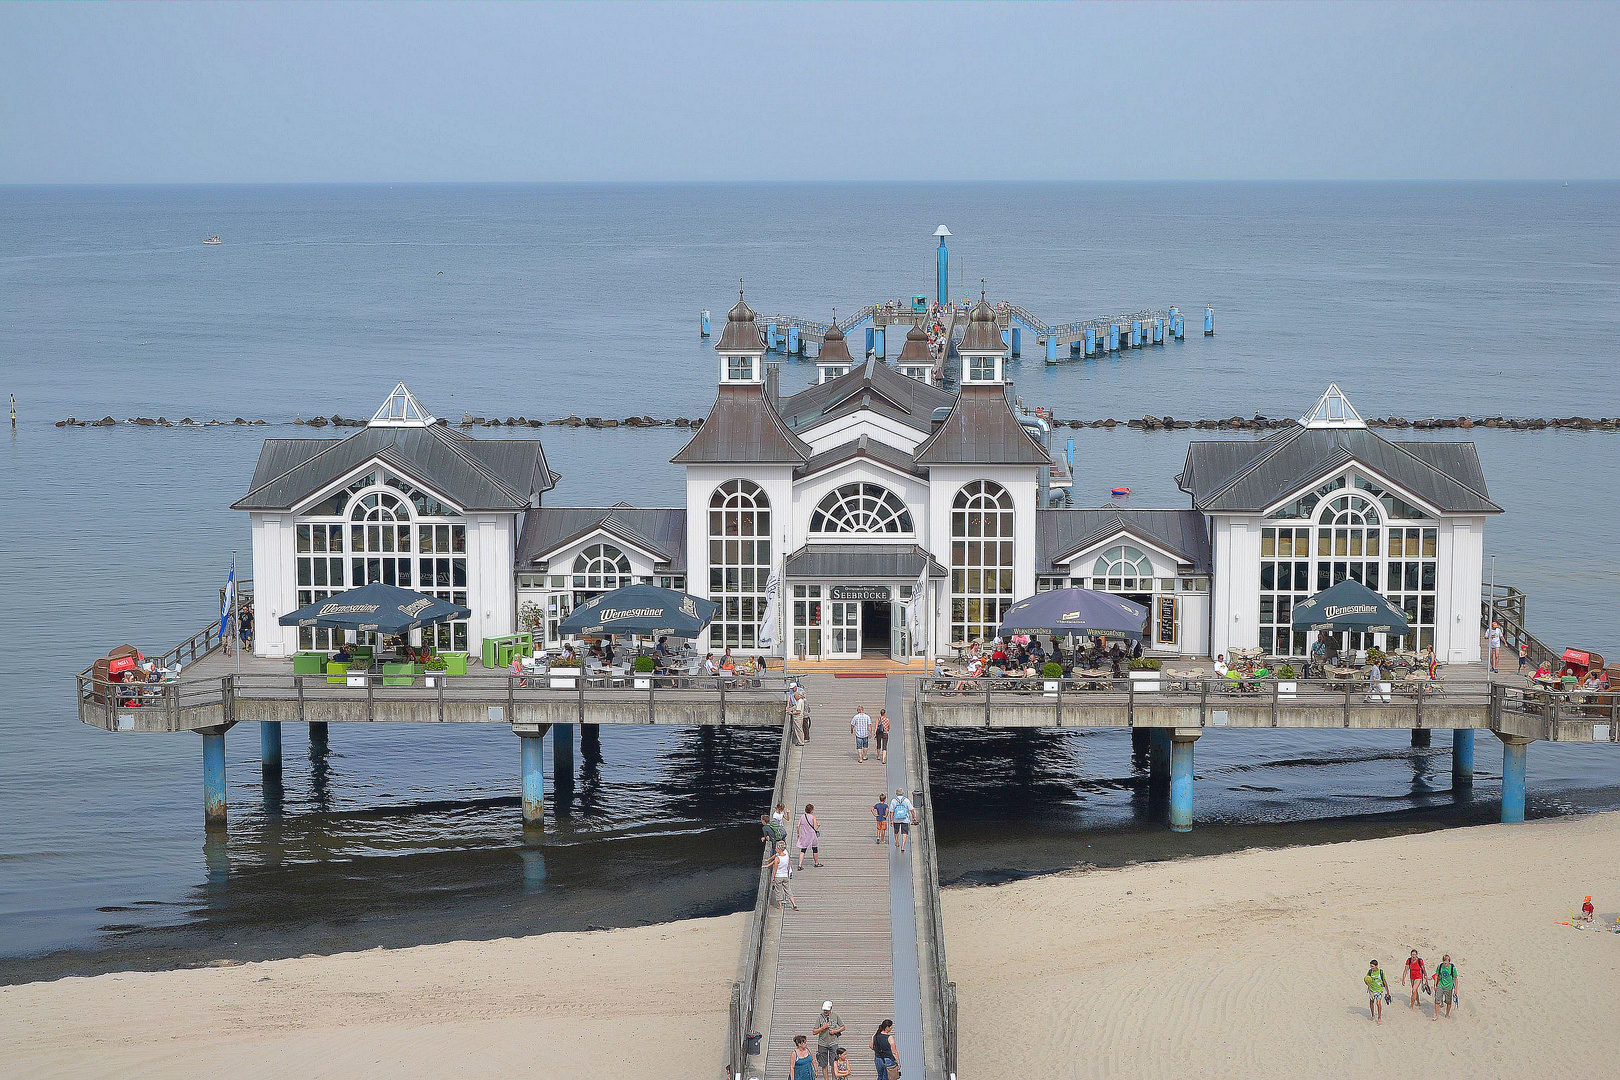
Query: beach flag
pixel 227 598
pixel 767 622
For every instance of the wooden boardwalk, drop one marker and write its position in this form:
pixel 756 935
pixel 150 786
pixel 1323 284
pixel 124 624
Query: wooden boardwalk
pixel 838 945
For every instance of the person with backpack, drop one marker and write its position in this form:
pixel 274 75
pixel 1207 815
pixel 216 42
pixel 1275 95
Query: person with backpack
pixel 1417 976
pixel 773 829
pixel 901 811
pixel 1377 992
pixel 1445 985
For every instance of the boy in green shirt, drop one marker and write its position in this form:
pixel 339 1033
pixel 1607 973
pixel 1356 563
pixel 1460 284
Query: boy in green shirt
pixel 1445 985
pixel 1377 990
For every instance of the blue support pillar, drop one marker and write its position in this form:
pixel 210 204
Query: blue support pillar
pixel 1017 342
pixel 1113 337
pixel 943 274
pixel 214 780
pixel 1181 779
pixel 870 330
pixel 770 337
pixel 534 778
pixel 1513 755
pixel 703 324
pixel 1051 349
pixel 1091 341
pixel 1136 333
pixel 1462 757
pixel 877 342
pixel 793 341
pixel 1209 322
pixel 270 747
pixel 1159 756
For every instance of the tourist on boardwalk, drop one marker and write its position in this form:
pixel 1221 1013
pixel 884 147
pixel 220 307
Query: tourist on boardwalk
pixel 881 730
pixel 1524 658
pixel 885 1054
pixel 809 838
pixel 1375 675
pixel 804 1065
pixel 798 713
pixel 861 725
pixel 901 810
pixel 829 1025
pixel 1493 638
pixel 880 810
pixel 1377 991
pixel 1445 985
pixel 840 1064
pixel 780 876
pixel 773 830
pixel 1417 976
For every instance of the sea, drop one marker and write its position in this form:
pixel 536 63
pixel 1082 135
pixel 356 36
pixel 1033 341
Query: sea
pixel 1418 299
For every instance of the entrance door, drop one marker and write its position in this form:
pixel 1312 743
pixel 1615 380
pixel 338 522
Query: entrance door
pixel 844 628
pixel 875 627
pixel 900 631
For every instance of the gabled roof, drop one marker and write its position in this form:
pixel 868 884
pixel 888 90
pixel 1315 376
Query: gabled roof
pixel 1060 535
pixel 874 449
pixel 834 348
pixel 504 474
pixel 743 428
pixel 905 561
pixel 911 401
pixel 742 333
pixel 982 334
pixel 659 531
pixel 1252 477
pixel 981 430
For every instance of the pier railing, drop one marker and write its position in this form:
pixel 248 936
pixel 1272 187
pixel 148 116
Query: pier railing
pixel 1556 715
pixel 1507 606
pixel 943 988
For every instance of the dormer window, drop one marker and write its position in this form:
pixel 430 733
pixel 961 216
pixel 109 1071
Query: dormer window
pixel 830 372
pixel 982 369
pixel 739 369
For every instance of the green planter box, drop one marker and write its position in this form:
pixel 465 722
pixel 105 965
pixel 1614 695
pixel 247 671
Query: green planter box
pixel 399 674
pixel 337 673
pixel 455 663
pixel 309 663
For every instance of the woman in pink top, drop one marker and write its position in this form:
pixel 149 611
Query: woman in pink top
pixel 809 838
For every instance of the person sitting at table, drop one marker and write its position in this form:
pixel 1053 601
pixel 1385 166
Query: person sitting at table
pixel 727 663
pixel 1544 671
pixel 342 655
pixel 567 652
pixel 1220 665
pixel 709 666
pixel 998 652
pixel 1117 661
pixel 1592 682
pixel 661 650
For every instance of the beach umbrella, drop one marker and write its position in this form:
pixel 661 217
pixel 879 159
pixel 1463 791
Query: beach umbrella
pixel 386 609
pixel 640 609
pixel 1075 611
pixel 1349 605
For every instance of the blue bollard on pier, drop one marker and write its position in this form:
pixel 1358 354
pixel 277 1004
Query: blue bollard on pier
pixel 1209 322
pixel 1017 342
pixel 214 780
pixel 1091 341
pixel 1181 328
pixel 1051 349
pixel 1136 333
pixel 703 324
pixel 1181 782
pixel 1513 761
pixel 1158 331
pixel 534 778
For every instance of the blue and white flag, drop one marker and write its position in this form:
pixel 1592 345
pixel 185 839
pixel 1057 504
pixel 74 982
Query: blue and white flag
pixel 227 598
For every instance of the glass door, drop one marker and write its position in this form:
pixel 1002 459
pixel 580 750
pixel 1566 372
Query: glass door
pixel 844 623
pixel 900 629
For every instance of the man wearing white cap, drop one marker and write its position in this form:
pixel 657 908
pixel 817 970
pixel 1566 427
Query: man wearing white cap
pixel 829 1025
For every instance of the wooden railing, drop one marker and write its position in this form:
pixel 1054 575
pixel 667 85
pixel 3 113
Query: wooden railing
pixel 1507 606
pixel 943 988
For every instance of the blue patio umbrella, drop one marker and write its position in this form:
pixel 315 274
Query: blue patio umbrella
pixel 386 609
pixel 1349 605
pixel 641 609
pixel 1075 611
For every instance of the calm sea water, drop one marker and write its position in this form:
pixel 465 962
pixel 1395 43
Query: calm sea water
pixel 1418 300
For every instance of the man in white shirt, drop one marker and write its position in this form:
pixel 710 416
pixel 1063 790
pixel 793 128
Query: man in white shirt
pixel 861 725
pixel 1220 666
pixel 709 667
pixel 1493 638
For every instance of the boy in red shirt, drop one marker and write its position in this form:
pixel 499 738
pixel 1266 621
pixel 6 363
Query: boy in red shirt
pixel 1416 976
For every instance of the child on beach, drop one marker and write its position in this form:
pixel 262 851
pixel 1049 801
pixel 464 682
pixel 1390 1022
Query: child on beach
pixel 1377 991
pixel 1588 912
pixel 880 810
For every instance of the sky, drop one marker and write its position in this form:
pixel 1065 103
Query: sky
pixel 367 92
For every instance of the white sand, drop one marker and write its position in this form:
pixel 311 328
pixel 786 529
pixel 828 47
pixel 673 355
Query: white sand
pixel 1250 965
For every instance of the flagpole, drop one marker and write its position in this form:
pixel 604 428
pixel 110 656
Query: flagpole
pixel 236 612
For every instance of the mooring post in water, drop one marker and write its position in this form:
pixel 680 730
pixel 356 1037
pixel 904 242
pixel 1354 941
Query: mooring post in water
pixel 562 756
pixel 214 777
pixel 1462 757
pixel 534 777
pixel 1513 755
pixel 870 330
pixel 1113 337
pixel 1420 738
pixel 1051 348
pixel 703 324
pixel 1136 333
pixel 1209 322
pixel 1159 757
pixel 270 747
pixel 1091 341
pixel 1181 778
pixel 793 341
pixel 1140 738
pixel 317 735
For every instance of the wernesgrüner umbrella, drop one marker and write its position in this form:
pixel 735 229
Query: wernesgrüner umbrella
pixel 386 609
pixel 640 609
pixel 1075 611
pixel 1349 605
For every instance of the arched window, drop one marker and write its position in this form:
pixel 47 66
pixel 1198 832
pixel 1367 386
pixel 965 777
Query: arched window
pixel 1123 568
pixel 380 506
pixel 601 567
pixel 1350 510
pixel 981 559
pixel 739 562
pixel 861 508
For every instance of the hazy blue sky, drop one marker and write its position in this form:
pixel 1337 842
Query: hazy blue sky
pixel 345 92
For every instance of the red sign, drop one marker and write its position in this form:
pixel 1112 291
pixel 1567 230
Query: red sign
pixel 120 664
pixel 1575 656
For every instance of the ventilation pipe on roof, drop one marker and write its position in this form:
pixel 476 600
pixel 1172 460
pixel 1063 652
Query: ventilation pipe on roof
pixel 773 384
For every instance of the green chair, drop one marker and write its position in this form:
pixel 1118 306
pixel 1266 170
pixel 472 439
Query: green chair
pixel 364 656
pixel 337 674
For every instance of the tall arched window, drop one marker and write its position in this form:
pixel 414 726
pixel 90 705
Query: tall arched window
pixel 981 560
pixel 861 508
pixel 1123 569
pixel 739 562
pixel 380 539
pixel 600 568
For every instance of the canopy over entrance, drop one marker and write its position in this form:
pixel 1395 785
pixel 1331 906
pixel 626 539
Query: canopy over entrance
pixel 385 609
pixel 1349 605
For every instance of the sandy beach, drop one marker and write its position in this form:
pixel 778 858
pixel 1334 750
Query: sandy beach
pixel 1242 965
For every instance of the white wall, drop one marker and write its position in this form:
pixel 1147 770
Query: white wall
pixel 275 590
pixel 1235 584
pixel 910 489
pixel 848 428
pixel 490 595
pixel 1459 569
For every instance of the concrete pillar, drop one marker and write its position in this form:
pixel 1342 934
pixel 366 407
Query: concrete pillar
pixel 214 779
pixel 317 734
pixel 1181 779
pixel 1513 755
pixel 270 747
pixel 1051 350
pixel 1421 738
pixel 1462 757
pixel 534 779
pixel 562 756
pixel 1159 756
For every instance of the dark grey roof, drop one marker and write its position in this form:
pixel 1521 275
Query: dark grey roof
pixel 1060 534
pixel 742 332
pixel 1249 477
pixel 659 530
pixel 982 334
pixel 743 428
pixel 503 474
pixel 981 430
pixel 910 401
pixel 861 447
pixel 846 561
pixel 916 348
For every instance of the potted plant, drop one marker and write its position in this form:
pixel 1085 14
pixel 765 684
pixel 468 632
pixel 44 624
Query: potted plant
pixel 1376 656
pixel 1052 674
pixel 565 673
pixel 435 668
pixel 1144 674
pixel 644 669
pixel 1287 686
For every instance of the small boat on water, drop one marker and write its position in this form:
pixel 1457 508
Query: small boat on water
pixel 1120 491
pixel 213 240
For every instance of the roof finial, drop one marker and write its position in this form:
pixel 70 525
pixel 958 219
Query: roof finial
pixel 981 288
pixel 835 316
pixel 739 288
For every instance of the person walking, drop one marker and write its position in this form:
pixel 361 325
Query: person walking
pixel 880 810
pixel 1377 991
pixel 1375 675
pixel 829 1025
pixel 1445 985
pixel 881 728
pixel 781 875
pixel 809 837
pixel 885 1054
pixel 861 725
pixel 901 811
pixel 804 1063
pixel 1493 638
pixel 1417 976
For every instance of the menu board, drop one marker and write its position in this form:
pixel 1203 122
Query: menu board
pixel 1167 620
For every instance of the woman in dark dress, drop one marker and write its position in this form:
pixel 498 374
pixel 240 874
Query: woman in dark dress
pixel 885 1054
